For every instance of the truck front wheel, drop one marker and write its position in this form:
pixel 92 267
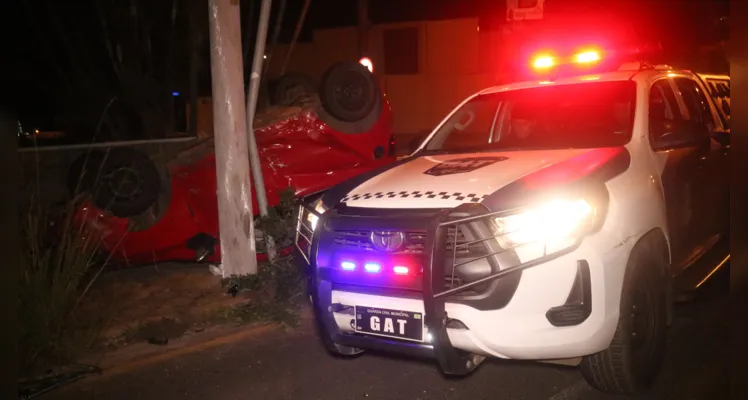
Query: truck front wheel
pixel 632 361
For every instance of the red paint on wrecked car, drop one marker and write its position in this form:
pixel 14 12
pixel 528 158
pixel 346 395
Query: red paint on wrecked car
pixel 300 152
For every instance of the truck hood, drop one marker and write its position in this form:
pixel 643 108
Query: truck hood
pixel 445 181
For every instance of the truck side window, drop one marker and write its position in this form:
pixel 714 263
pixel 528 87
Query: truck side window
pixel 696 101
pixel 721 96
pixel 725 98
pixel 663 109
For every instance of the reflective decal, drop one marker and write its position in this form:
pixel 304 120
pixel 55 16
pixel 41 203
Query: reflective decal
pixel 462 165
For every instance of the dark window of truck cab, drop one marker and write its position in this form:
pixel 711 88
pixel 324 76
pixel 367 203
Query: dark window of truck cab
pixel 663 109
pixel 578 115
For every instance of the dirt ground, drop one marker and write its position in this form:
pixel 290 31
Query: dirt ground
pixel 156 302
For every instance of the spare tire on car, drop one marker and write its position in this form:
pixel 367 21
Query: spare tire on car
pixel 349 92
pixel 290 87
pixel 122 181
pixel 350 114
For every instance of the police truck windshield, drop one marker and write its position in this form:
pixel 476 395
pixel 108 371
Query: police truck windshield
pixel 581 115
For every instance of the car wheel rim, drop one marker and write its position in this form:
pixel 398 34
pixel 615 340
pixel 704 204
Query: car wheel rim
pixel 125 183
pixel 351 93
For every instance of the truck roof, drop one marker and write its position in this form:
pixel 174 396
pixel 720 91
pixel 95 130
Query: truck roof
pixel 626 72
pixel 602 77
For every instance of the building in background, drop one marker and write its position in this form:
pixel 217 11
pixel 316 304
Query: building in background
pixel 428 59
pixel 425 68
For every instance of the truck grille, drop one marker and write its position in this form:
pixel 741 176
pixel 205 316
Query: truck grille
pixel 415 242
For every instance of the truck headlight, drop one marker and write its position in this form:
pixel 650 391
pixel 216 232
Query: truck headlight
pixel 311 218
pixel 545 228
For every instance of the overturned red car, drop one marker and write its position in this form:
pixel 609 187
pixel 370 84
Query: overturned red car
pixel 154 211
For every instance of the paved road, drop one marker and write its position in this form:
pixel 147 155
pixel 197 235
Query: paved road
pixel 294 366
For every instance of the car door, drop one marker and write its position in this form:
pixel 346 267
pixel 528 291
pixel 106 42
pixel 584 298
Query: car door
pixel 681 183
pixel 719 162
pixel 712 165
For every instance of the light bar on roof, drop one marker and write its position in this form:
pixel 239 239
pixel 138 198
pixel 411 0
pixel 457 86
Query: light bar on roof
pixel 586 57
pixel 543 62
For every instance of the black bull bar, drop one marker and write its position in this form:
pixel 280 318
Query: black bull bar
pixel 452 361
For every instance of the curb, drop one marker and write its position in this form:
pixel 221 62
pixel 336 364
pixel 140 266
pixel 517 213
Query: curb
pixel 140 355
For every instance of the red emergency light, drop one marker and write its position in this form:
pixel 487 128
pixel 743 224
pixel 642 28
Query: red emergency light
pixel 376 267
pixel 587 57
pixel 544 61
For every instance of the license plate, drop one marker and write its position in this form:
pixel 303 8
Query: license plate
pixel 406 325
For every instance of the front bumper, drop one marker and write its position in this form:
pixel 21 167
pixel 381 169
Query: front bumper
pixel 548 313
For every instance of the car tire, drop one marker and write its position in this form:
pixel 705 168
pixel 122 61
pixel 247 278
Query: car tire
pixel 333 348
pixel 289 87
pixel 349 92
pixel 352 128
pixel 631 363
pixel 128 184
pixel 153 214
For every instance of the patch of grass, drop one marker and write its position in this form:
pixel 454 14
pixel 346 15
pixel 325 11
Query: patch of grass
pixel 277 289
pixel 57 258
pixel 164 328
pixel 131 334
pixel 280 223
pixel 276 293
pixel 262 311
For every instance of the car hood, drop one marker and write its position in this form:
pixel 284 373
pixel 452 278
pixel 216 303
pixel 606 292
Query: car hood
pixel 445 181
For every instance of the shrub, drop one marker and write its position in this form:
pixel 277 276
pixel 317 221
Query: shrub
pixel 277 287
pixel 280 222
pixel 56 259
pixel 276 292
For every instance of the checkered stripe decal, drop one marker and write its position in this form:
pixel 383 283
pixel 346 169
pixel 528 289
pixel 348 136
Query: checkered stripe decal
pixel 471 197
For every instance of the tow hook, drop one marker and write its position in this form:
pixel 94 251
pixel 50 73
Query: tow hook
pixel 474 361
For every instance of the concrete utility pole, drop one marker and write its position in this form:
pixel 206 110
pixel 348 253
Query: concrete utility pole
pixel 364 25
pixel 232 162
pixel 254 89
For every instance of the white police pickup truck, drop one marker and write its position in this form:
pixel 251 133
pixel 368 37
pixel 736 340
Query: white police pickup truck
pixel 541 220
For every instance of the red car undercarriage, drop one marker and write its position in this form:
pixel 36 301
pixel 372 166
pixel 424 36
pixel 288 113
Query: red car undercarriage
pixel 175 216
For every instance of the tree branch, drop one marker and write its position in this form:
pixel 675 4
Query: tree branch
pixel 116 65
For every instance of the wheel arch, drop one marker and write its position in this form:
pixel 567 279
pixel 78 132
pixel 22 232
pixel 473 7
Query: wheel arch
pixel 656 240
